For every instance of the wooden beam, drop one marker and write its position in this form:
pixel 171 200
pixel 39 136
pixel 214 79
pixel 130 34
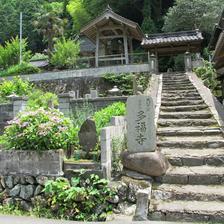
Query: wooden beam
pixel 110 37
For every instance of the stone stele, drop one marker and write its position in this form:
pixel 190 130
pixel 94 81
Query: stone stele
pixel 149 163
pixel 88 135
pixel 141 129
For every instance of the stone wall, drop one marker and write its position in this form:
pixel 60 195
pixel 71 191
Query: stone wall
pixel 6 114
pixel 68 105
pixel 21 190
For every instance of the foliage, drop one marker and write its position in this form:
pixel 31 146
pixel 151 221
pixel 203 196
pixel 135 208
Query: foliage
pixel 79 14
pixel 49 24
pixel 38 56
pixel 194 14
pixel 118 146
pixel 20 69
pixel 103 117
pixel 39 130
pixel 16 86
pixel 124 81
pixel 84 199
pixel 39 99
pixel 9 53
pixel 65 54
pixel 209 76
pixel 9 13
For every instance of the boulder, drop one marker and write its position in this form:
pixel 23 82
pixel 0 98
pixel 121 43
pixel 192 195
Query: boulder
pixel 150 163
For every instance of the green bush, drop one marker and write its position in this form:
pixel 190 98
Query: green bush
pixel 209 77
pixel 103 117
pixel 39 56
pixel 20 69
pixel 124 81
pixel 9 54
pixel 16 86
pixel 39 99
pixel 39 130
pixel 66 54
pixel 84 199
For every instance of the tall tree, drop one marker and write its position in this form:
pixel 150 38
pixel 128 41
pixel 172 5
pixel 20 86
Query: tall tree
pixel 50 25
pixel 194 14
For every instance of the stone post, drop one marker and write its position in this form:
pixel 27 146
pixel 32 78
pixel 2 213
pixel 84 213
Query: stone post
pixel 64 103
pixel 188 62
pixel 19 104
pixel 106 152
pixel 153 63
pixel 142 205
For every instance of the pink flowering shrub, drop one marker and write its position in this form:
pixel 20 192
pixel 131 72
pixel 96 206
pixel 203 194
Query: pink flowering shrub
pixel 39 130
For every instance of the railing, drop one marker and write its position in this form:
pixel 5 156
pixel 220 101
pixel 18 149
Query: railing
pixel 112 60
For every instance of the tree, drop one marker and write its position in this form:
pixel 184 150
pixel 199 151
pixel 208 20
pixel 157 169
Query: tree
pixel 194 14
pixel 50 25
pixel 9 20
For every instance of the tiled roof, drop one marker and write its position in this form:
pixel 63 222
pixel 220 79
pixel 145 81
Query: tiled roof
pixel 175 37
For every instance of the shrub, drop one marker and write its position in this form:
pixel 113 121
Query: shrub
pixel 9 54
pixel 85 199
pixel 103 117
pixel 66 54
pixel 16 86
pixel 209 76
pixel 39 130
pixel 124 81
pixel 39 99
pixel 20 69
pixel 38 56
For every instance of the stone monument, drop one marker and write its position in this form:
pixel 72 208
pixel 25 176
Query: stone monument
pixel 140 123
pixel 142 155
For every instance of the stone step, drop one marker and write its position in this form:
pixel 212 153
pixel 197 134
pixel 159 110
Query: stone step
pixel 181 95
pixel 189 131
pixel 179 98
pixel 188 192
pixel 178 88
pixel 172 83
pixel 73 165
pixel 182 103
pixel 187 115
pixel 186 122
pixel 184 108
pixel 197 144
pixel 180 92
pixel 194 175
pixel 194 157
pixel 190 138
pixel 176 79
pixel 193 211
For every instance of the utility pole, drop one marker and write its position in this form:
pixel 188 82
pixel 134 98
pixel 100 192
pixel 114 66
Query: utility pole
pixel 21 38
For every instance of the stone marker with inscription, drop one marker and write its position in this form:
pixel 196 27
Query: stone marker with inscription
pixel 141 126
pixel 142 156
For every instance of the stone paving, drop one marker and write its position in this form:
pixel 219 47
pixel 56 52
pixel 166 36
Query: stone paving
pixel 29 220
pixel 188 134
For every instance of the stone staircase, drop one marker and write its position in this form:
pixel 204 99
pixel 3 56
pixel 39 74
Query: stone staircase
pixel 193 188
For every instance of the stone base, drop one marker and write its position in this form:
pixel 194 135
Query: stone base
pixel 152 164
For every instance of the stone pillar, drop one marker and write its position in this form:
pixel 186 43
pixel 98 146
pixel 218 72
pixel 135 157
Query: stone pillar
pixel 142 205
pixel 153 63
pixel 64 103
pixel 19 104
pixel 106 152
pixel 188 62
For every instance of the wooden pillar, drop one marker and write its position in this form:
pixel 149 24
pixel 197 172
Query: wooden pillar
pixel 126 47
pixel 131 49
pixel 97 49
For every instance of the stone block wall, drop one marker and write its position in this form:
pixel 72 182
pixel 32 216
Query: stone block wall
pixel 21 190
pixel 6 114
